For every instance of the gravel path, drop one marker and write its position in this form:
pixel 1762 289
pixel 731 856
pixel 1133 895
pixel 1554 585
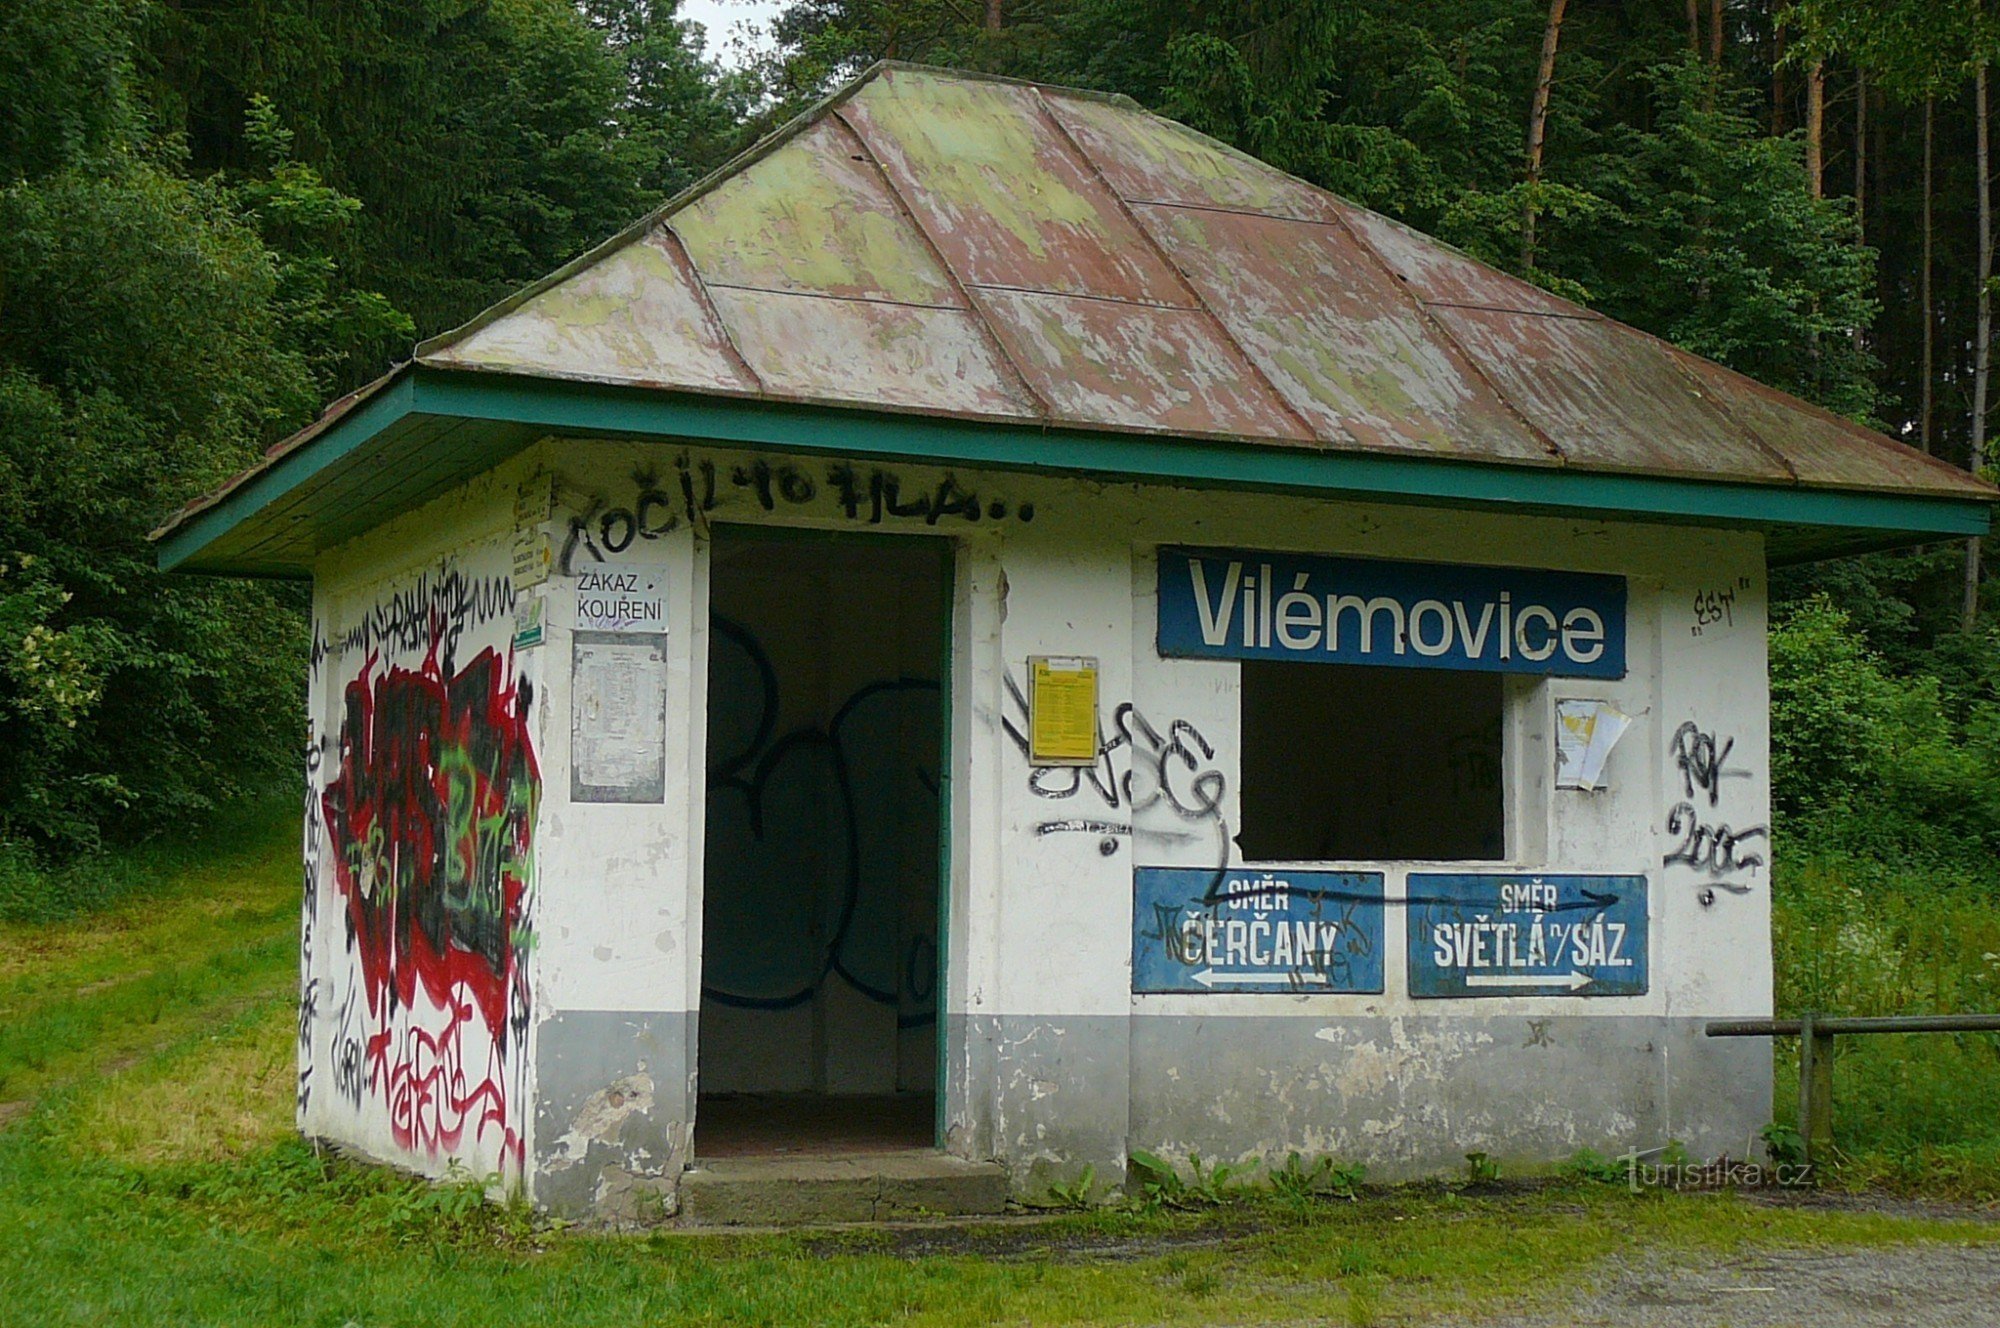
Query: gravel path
pixel 1910 1286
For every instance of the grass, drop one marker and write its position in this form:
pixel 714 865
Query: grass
pixel 151 1177
pixel 208 941
pixel 1914 1112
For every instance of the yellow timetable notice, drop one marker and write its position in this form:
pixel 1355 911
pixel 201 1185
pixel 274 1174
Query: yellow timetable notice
pixel 1062 710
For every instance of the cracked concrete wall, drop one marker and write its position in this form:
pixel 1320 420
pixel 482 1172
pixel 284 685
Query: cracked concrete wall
pixel 1411 1095
pixel 612 1127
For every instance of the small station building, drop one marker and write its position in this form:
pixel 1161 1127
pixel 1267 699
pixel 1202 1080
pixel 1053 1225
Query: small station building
pixel 998 624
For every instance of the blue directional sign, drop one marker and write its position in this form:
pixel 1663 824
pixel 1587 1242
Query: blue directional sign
pixel 1196 929
pixel 1235 604
pixel 1527 935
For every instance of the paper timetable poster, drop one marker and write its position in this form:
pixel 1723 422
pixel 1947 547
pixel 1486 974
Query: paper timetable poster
pixel 1062 710
pixel 618 717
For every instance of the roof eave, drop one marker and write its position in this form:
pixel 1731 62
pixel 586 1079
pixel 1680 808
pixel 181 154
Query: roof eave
pixel 211 536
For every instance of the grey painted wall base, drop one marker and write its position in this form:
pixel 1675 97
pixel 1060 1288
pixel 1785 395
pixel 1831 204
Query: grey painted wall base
pixel 1045 1095
pixel 1048 1095
pixel 614 1112
pixel 1408 1096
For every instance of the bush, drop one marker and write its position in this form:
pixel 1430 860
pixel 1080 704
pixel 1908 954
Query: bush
pixel 1872 767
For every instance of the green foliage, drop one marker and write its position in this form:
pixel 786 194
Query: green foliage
pixel 342 332
pixel 486 144
pixel 65 66
pixel 142 359
pixel 1784 1144
pixel 675 115
pixel 1746 267
pixel 1161 1184
pixel 1873 767
pixel 1324 1177
pixel 1887 793
pixel 1587 1164
pixel 1078 1194
pixel 1481 1169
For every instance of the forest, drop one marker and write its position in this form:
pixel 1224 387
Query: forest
pixel 214 219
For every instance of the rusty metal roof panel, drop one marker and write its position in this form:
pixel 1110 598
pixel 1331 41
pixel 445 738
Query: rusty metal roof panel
pixel 1136 366
pixel 868 352
pixel 1332 332
pixel 1439 274
pixel 975 248
pixel 814 216
pixel 1001 193
pixel 1610 399
pixel 1821 447
pixel 638 316
pixel 1151 160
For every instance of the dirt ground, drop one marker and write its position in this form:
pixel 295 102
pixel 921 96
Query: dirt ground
pixel 1913 1286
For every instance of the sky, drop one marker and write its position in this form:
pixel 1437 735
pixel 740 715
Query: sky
pixel 722 18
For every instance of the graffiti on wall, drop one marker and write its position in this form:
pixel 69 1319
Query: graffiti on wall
pixel 699 487
pixel 432 612
pixel 421 819
pixel 1141 769
pixel 847 808
pixel 309 893
pixel 1698 839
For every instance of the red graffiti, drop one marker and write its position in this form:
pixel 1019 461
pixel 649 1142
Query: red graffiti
pixel 431 821
pixel 431 1098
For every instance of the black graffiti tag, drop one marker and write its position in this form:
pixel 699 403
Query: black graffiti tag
pixel 1714 849
pixel 1175 769
pixel 1703 761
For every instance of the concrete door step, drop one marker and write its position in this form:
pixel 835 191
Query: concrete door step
pixel 855 1187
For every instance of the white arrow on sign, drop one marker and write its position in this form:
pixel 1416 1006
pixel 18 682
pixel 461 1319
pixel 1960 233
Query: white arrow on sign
pixel 1570 980
pixel 1208 977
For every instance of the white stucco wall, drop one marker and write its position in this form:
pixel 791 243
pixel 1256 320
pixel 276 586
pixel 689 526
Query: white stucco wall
pixel 1051 1060
pixel 414 1022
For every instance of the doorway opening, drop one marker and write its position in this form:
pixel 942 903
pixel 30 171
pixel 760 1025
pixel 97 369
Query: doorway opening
pixel 823 864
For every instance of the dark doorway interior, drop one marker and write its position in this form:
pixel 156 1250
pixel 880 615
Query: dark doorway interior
pixel 818 1026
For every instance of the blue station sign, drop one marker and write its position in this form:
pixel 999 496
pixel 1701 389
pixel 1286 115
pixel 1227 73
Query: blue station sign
pixel 1271 931
pixel 1532 935
pixel 1233 604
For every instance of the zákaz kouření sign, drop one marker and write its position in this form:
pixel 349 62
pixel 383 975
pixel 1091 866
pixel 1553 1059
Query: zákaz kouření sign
pixel 1537 935
pixel 1270 931
pixel 1231 604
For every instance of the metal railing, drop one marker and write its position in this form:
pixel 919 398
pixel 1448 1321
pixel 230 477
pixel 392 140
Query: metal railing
pixel 1816 1033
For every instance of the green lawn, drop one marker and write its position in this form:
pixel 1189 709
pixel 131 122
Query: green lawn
pixel 148 1176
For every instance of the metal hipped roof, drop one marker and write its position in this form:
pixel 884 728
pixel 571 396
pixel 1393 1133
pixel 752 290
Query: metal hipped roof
pixel 1059 266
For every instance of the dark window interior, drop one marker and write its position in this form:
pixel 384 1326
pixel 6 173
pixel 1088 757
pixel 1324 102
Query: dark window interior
pixel 1347 763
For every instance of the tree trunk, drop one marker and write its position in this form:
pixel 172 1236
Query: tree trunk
pixel 1715 33
pixel 1538 124
pixel 1777 79
pixel 1982 344
pixel 1694 29
pixel 1816 129
pixel 1860 175
pixel 1861 156
pixel 993 15
pixel 1929 310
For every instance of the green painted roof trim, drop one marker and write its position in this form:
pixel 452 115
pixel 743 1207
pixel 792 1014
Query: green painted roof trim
pixel 584 409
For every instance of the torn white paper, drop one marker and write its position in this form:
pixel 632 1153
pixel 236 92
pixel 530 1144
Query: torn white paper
pixel 1586 731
